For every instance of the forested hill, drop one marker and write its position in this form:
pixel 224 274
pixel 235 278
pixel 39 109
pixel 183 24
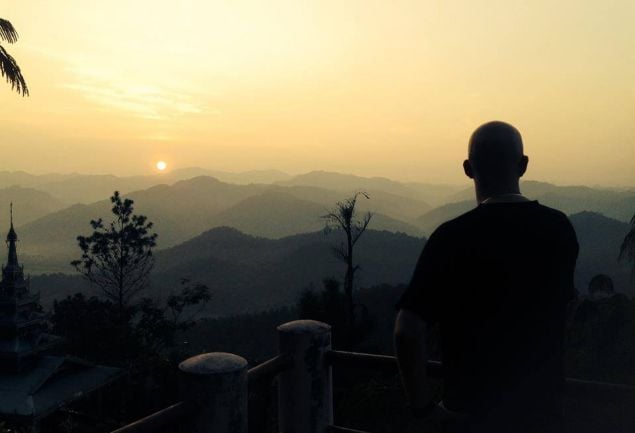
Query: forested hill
pixel 247 273
pixel 600 239
pixel 613 203
pixel 33 204
pixel 188 208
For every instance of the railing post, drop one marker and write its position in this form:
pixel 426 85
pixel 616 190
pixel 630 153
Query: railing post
pixel 217 384
pixel 305 396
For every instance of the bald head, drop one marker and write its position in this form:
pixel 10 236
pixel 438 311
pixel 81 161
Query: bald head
pixel 495 153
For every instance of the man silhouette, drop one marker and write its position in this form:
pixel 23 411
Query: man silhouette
pixel 496 281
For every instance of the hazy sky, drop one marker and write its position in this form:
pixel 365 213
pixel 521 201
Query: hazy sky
pixel 390 88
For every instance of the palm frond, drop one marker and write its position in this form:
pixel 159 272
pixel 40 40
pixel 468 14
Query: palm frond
pixel 11 71
pixel 7 31
pixel 627 249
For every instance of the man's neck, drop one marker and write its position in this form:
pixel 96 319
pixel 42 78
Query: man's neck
pixel 502 191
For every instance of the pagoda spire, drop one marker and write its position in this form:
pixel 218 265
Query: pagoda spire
pixel 12 238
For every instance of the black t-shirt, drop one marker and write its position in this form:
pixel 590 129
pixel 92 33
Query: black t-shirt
pixel 497 281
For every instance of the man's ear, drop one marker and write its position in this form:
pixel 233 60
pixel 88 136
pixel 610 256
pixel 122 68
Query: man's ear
pixel 522 166
pixel 467 168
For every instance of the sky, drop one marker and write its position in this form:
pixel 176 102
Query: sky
pixel 374 88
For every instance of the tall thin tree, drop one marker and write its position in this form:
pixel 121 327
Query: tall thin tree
pixel 343 217
pixel 8 66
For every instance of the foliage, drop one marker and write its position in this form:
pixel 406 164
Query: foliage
pixel 192 293
pixel 157 325
pixel 343 217
pixel 627 249
pixel 6 427
pixel 251 335
pixel 117 257
pixel 331 306
pixel 89 330
pixel 601 340
pixel 8 66
pixel 147 330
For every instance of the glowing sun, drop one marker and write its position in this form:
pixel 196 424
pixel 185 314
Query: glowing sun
pixel 162 165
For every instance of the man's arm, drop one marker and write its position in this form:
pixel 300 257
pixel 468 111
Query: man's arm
pixel 412 357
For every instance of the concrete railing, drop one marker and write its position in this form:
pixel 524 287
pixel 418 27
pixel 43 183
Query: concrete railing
pixel 215 386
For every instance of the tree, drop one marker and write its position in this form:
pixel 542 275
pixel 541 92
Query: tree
pixel 145 330
pixel 343 217
pixel 329 306
pixel 117 257
pixel 627 250
pixel 8 66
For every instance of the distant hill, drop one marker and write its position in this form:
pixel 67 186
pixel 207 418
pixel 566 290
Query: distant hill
pixel 275 214
pixel 24 179
pixel 434 218
pixel 241 178
pixel 614 203
pixel 187 208
pixel 28 205
pixel 179 212
pixel 77 188
pixel 617 204
pixel 348 183
pixel 50 242
pixel 88 188
pixel 248 273
pixel 600 238
pixel 382 202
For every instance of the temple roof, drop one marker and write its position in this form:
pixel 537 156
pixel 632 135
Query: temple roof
pixel 21 346
pixel 39 386
pixel 53 382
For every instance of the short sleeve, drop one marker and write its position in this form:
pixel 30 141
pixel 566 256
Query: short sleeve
pixel 423 295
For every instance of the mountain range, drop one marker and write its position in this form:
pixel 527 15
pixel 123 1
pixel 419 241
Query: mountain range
pixel 245 238
pixel 88 188
pixel 614 203
pixel 31 204
pixel 248 273
pixel 190 207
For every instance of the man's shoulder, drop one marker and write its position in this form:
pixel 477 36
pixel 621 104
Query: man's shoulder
pixel 551 212
pixel 454 225
pixel 554 217
pixel 532 210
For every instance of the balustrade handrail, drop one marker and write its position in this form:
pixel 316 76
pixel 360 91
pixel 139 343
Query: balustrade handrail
pixel 296 337
pixel 340 429
pixel 269 369
pixel 160 419
pixel 375 362
pixel 176 412
pixel 389 363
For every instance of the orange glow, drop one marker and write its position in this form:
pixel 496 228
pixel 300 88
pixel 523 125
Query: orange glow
pixel 372 88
